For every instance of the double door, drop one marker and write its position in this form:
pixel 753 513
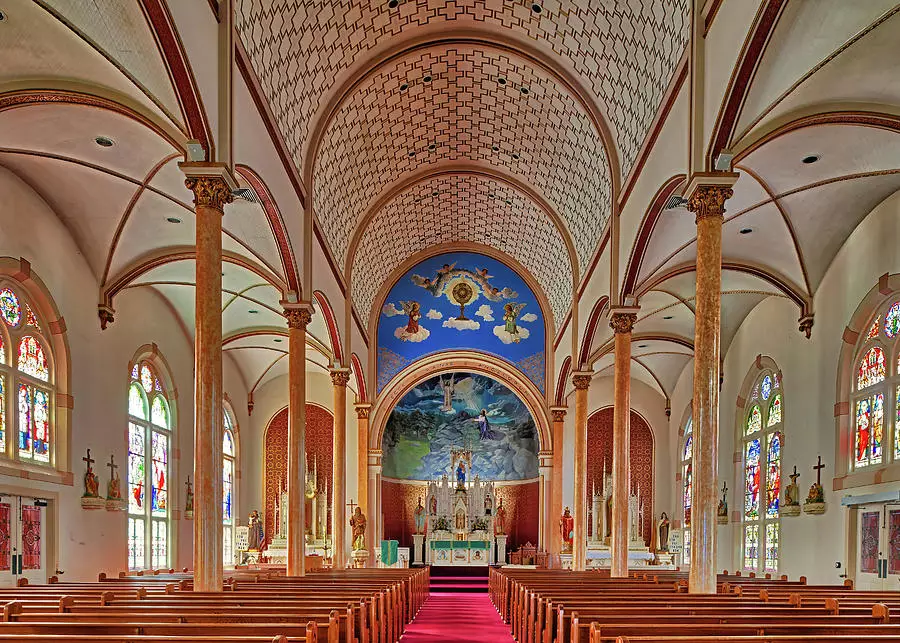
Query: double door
pixel 22 537
pixel 878 547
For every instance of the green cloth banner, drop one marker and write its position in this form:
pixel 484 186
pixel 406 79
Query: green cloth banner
pixel 389 555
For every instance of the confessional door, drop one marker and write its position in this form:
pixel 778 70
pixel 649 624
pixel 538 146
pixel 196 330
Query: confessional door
pixel 22 537
pixel 878 547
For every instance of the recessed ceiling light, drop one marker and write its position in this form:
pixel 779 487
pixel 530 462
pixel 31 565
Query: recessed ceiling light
pixel 746 230
pixel 524 90
pixel 427 78
pixel 404 87
pixel 536 8
pixel 2 16
pixel 277 341
pixel 173 219
pixel 496 148
pixel 508 202
pixel 253 311
pixel 515 156
pixel 393 4
pixel 412 153
pixel 492 196
pixel 432 147
pixel 435 193
pixel 668 317
pixel 812 158
pixel 642 346
pixel 502 80
pixel 104 141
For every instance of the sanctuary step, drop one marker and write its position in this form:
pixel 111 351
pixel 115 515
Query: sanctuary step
pixel 464 584
pixel 460 570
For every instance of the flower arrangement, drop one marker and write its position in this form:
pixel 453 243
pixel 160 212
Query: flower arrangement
pixel 441 524
pixel 480 524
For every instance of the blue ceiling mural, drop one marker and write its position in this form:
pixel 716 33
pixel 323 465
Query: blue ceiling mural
pixel 461 301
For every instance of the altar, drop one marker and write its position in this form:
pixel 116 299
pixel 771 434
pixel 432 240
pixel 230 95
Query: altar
pixel 598 551
pixel 462 518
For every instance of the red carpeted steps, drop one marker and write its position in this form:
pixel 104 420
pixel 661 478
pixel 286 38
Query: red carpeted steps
pixel 459 584
pixel 457 618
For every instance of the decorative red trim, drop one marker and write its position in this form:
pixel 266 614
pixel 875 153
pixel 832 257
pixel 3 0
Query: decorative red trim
pixel 180 72
pixel 589 329
pixel 360 377
pixel 563 378
pixel 359 326
pixel 276 224
pixel 753 50
pixel 646 232
pixel 714 6
pixel 331 323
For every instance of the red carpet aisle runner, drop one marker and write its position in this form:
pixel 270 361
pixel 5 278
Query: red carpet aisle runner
pixel 457 618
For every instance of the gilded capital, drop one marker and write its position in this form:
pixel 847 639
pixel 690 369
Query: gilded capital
pixel 298 317
pixel 709 201
pixel 622 322
pixel 209 191
pixel 362 411
pixel 558 414
pixel 582 381
pixel 340 376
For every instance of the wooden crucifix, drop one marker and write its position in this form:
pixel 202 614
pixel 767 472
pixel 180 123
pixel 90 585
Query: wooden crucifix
pixel 112 466
pixel 794 475
pixel 818 469
pixel 352 506
pixel 89 461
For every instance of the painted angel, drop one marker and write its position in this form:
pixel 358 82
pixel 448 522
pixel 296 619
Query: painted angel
pixel 511 313
pixel 413 311
pixel 424 282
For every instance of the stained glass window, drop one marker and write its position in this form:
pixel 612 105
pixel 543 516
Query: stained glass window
pixel 771 547
pixel 874 329
pixel 774 411
pixel 754 420
pixel 34 423
pixel 894 541
pixel 688 489
pixel 5 536
pixel 2 351
pixel 869 429
pixel 228 473
pixel 687 474
pixel 30 318
pixel 766 387
pixel 773 475
pixel 752 478
pixel 892 320
pixel 31 537
pixel 2 413
pixel 32 360
pixel 149 438
pixel 9 307
pixel 871 368
pixel 751 546
pixel 868 546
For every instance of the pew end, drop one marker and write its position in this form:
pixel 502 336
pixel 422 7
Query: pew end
pixel 881 613
pixel 832 605
pixel 11 610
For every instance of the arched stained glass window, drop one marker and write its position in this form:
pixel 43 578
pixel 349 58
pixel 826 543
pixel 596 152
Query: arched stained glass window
pixel 687 480
pixel 892 321
pixel 871 368
pixel 229 469
pixel 762 475
pixel 26 381
pixel 149 439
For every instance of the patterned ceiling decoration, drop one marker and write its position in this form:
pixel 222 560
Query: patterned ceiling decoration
pixel 466 208
pixel 465 112
pixel 625 52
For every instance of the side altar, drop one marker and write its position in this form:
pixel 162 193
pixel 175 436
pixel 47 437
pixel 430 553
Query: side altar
pixel 598 545
pixel 464 521
pixel 318 540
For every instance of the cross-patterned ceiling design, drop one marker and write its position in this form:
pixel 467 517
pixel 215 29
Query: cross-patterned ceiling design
pixel 472 108
pixel 624 52
pixel 462 208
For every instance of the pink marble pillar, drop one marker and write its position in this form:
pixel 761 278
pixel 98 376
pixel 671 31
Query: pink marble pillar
pixel 556 495
pixel 340 517
pixel 582 382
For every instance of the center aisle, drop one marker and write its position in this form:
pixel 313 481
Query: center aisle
pixel 462 617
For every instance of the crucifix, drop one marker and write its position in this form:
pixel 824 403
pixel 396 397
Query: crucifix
pixel 112 466
pixel 795 475
pixel 724 489
pixel 89 461
pixel 352 506
pixel 818 469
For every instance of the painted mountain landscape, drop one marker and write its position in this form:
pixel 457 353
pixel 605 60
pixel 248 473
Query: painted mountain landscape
pixel 443 413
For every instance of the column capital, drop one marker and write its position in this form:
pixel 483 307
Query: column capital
pixel 363 410
pixel 707 193
pixel 211 183
pixel 340 376
pixel 558 413
pixel 298 314
pixel 623 318
pixel 582 379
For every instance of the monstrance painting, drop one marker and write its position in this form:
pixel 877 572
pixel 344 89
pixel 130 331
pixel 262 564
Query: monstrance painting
pixel 461 300
pixel 460 410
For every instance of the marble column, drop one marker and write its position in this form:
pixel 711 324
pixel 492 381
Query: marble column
pixel 556 495
pixel 298 318
pixel 546 520
pixel 373 527
pixel 707 196
pixel 582 381
pixel 622 322
pixel 339 518
pixel 362 456
pixel 211 184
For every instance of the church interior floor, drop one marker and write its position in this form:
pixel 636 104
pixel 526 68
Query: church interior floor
pixel 457 618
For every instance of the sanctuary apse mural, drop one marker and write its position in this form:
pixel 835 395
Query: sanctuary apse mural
pixel 461 300
pixel 454 411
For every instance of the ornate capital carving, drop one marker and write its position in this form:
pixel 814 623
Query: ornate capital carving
pixel 107 316
pixel 622 322
pixel 362 411
pixel 806 324
pixel 558 414
pixel 209 191
pixel 709 201
pixel 298 317
pixel 340 376
pixel 582 381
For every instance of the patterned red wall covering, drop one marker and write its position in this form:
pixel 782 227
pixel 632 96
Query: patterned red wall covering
pixel 319 444
pixel 521 501
pixel 599 447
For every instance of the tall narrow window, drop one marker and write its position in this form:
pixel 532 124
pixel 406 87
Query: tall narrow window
pixel 228 473
pixel 149 437
pixel 26 382
pixel 763 438
pixel 687 479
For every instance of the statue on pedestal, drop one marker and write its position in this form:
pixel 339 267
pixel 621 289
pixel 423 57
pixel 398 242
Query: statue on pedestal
pixel 419 518
pixel 358 525
pixel 461 475
pixel 567 528
pixel 815 500
pixel 91 482
pixel 500 520
pixel 257 537
pixel 792 491
pixel 722 509
pixel 662 530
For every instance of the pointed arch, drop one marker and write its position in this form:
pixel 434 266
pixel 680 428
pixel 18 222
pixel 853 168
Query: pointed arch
pixel 563 378
pixel 331 322
pixel 590 329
